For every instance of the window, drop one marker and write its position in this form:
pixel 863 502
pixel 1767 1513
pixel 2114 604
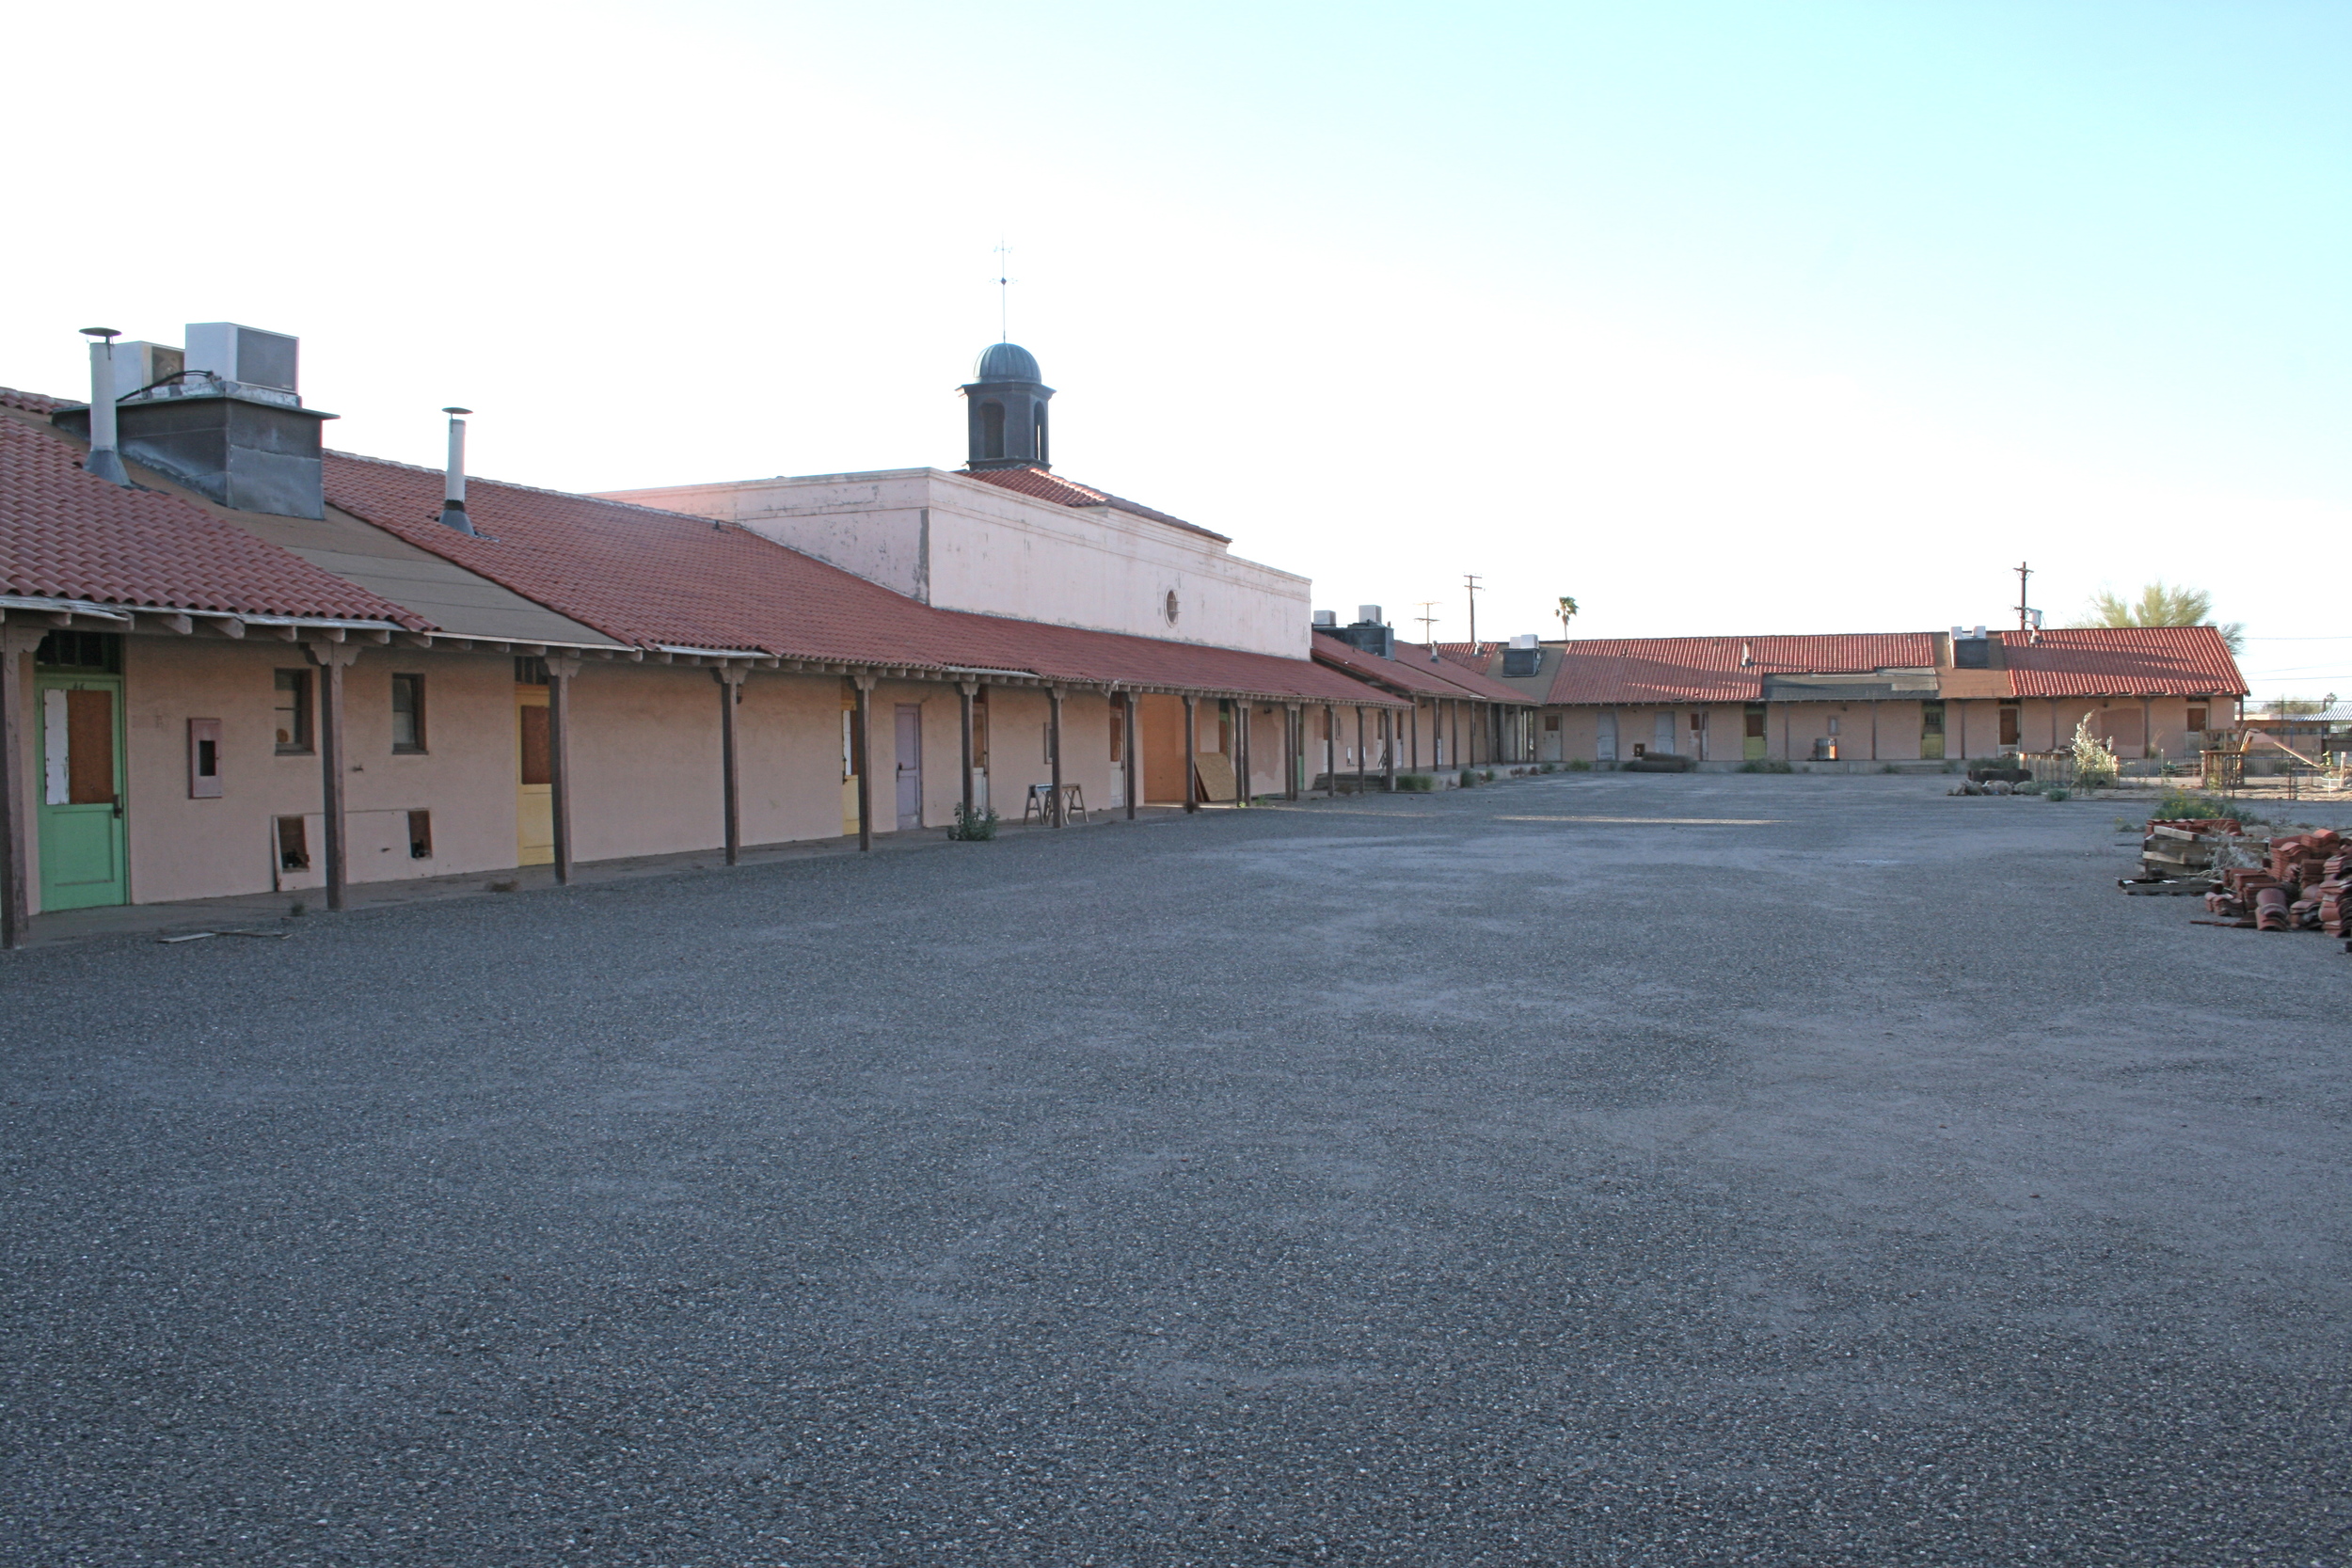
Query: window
pixel 1042 461
pixel 1756 721
pixel 991 430
pixel 407 713
pixel 1170 608
pixel 1931 718
pixel 1551 722
pixel 99 651
pixel 2197 717
pixel 203 760
pixel 530 670
pixel 294 845
pixel 1119 731
pixel 420 835
pixel 292 723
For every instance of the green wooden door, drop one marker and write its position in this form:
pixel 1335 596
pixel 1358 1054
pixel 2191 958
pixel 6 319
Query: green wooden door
pixel 81 791
pixel 1931 730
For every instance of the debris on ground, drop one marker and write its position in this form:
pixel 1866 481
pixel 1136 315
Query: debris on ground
pixel 2295 882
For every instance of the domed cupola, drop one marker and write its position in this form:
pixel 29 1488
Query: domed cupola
pixel 1005 402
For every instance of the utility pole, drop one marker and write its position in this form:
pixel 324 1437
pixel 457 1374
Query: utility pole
pixel 1470 580
pixel 1427 620
pixel 2023 572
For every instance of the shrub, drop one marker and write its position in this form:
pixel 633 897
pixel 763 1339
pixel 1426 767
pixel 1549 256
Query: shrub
pixel 2187 805
pixel 972 827
pixel 1468 780
pixel 1758 767
pixel 2030 786
pixel 1580 766
pixel 2057 793
pixel 1890 767
pixel 1418 784
pixel 1489 775
pixel 2096 765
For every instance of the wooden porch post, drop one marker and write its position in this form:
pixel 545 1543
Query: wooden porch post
pixel 1387 744
pixel 333 658
pixel 1874 729
pixel 1192 784
pixel 1134 762
pixel 561 669
pixel 1359 749
pixel 1241 751
pixel 1053 744
pixel 1293 748
pixel 864 684
pixel 16 812
pixel 1330 752
pixel 969 689
pixel 730 679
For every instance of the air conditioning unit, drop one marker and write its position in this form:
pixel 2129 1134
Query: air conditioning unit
pixel 1368 614
pixel 246 354
pixel 1326 617
pixel 1521 662
pixel 140 365
pixel 1527 640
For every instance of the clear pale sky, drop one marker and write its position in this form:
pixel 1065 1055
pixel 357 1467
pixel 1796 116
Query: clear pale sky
pixel 1720 317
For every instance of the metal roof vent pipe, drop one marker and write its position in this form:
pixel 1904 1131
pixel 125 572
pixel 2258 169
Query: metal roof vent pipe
pixel 453 487
pixel 105 459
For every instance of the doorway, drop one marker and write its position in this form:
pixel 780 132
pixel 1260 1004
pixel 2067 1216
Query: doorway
pixel 534 780
pixel 81 859
pixel 1931 731
pixel 910 737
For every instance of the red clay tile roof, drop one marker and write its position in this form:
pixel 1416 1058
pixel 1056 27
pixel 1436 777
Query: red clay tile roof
pixel 1637 670
pixel 64 534
pixel 1414 671
pixel 647 577
pixel 2121 661
pixel 32 403
pixel 1041 485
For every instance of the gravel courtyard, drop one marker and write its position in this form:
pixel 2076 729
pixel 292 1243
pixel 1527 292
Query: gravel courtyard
pixel 1597 1169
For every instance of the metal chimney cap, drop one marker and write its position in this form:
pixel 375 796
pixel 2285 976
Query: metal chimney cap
pixel 456 410
pixel 101 332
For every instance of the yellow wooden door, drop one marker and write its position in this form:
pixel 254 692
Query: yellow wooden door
pixel 535 786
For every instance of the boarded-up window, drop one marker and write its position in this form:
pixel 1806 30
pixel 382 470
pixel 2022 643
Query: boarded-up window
pixel 90 721
pixel 1756 724
pixel 2197 717
pixel 538 755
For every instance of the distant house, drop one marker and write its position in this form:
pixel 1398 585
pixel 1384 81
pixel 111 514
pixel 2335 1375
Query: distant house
pixel 1850 700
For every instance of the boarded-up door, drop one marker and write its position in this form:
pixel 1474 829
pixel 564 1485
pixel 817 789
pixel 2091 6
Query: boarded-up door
pixel 80 811
pixel 1662 736
pixel 534 779
pixel 2124 730
pixel 910 737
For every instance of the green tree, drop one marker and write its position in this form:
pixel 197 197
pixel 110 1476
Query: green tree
pixel 2162 605
pixel 1567 613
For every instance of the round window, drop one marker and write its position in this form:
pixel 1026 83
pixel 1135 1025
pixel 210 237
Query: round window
pixel 1170 608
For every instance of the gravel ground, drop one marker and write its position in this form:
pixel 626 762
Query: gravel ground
pixel 1851 1176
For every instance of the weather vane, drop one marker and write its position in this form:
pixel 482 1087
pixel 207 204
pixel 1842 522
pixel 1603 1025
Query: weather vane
pixel 1004 291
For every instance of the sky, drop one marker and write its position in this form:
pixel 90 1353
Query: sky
pixel 1720 318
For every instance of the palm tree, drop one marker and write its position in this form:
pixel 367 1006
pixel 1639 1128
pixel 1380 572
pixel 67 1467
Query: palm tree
pixel 1566 613
pixel 2162 605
